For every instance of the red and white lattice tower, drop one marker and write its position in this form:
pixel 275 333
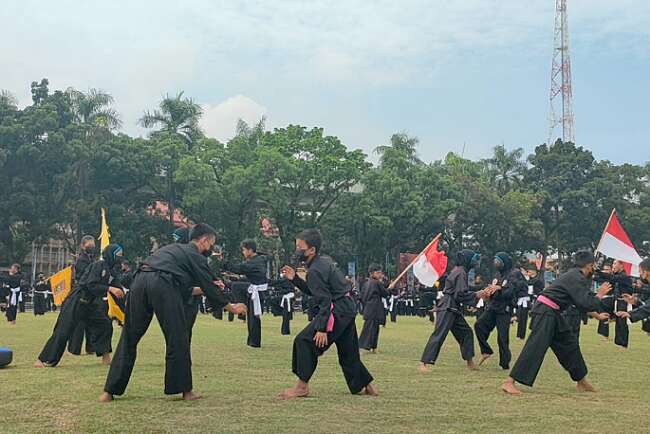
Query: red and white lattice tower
pixel 561 88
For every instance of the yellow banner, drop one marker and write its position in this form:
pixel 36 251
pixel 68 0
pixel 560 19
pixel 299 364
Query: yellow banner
pixel 61 284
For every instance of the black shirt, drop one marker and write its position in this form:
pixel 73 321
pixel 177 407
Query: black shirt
pixel 327 285
pixel 189 268
pixel 373 307
pixel 513 285
pixel 253 268
pixel 573 288
pixel 456 291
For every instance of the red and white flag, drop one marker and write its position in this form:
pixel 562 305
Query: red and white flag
pixel 430 265
pixel 617 245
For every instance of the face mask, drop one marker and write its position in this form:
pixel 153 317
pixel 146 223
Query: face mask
pixel 300 255
pixel 89 250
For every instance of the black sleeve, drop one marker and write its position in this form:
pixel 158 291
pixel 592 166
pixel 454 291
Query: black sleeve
pixel 316 280
pixel 245 267
pixel 203 275
pixel 299 283
pixel 95 279
pixel 640 313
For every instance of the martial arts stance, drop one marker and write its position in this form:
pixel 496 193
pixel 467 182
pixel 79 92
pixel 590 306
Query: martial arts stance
pixel 615 303
pixel 549 328
pixel 254 268
pixel 85 258
pixel 191 305
pixel 642 312
pixel 41 291
pixel 525 302
pixel 333 322
pixel 15 295
pixel 161 288
pixel 285 290
pixel 85 304
pixel 449 316
pixel 373 309
pixel 508 283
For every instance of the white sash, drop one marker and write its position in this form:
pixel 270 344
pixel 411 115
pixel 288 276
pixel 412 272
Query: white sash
pixel 254 291
pixel 523 302
pixel 286 299
pixel 409 302
pixel 530 290
pixel 383 300
pixel 439 295
pixel 480 303
pixel 392 303
pixel 16 296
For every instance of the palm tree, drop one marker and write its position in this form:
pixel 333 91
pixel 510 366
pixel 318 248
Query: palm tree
pixel 402 144
pixel 92 112
pixel 178 116
pixel 506 168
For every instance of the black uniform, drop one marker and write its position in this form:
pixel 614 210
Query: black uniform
pixel 550 329
pixel 161 287
pixel 373 313
pixel 449 316
pixel 622 285
pixel 498 313
pixel 86 304
pixel 14 294
pixel 41 291
pixel 525 303
pixel 284 287
pixel 76 340
pixel 328 288
pixel 255 271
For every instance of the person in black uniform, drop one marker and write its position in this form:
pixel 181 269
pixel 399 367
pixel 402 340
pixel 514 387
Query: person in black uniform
pixel 160 288
pixel 41 291
pixel 642 309
pixel 83 304
pixel 508 283
pixel 333 322
pixel 13 282
pixel 254 268
pixel 449 315
pixel 182 235
pixel 284 287
pixel 549 328
pixel 616 303
pixel 373 309
pixel 85 258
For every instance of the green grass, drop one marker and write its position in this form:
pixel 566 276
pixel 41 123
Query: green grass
pixel 239 385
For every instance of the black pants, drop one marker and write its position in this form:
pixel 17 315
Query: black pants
pixel 254 324
pixel 287 316
pixel 81 331
pixel 369 338
pixel 621 329
pixel 447 321
pixel 344 335
pixel 40 303
pixel 393 314
pixel 549 330
pixel 75 309
pixel 153 293
pixel 522 321
pixel 484 326
pixel 12 312
pixel 191 312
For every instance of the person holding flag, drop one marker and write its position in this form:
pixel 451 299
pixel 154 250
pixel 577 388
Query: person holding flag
pixel 429 266
pixel 373 309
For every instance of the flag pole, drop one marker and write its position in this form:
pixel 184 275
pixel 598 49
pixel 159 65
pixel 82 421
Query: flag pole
pixel 413 261
pixel 609 220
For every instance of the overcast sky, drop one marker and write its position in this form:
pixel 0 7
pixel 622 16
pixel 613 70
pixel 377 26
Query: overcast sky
pixel 454 73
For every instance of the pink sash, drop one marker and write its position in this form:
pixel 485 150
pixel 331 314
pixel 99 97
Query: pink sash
pixel 330 320
pixel 547 301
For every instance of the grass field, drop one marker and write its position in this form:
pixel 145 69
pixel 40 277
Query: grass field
pixel 239 386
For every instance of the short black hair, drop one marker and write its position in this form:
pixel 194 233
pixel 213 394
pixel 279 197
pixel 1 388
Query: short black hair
pixel 645 264
pixel 312 237
pixel 374 267
pixel 87 238
pixel 583 258
pixel 200 230
pixel 249 244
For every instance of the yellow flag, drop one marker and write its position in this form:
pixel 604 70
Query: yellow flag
pixel 114 310
pixel 61 284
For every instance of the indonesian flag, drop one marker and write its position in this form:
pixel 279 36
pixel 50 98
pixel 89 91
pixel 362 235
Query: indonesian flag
pixel 616 244
pixel 430 265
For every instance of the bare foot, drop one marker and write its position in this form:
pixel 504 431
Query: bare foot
pixel 584 386
pixel 105 397
pixel 106 359
pixel 370 390
pixel 483 358
pixel 300 390
pixel 471 365
pixel 191 396
pixel 509 387
pixel 39 364
pixel 13 323
pixel 423 368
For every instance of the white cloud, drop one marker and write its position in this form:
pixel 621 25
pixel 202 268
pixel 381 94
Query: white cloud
pixel 220 120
